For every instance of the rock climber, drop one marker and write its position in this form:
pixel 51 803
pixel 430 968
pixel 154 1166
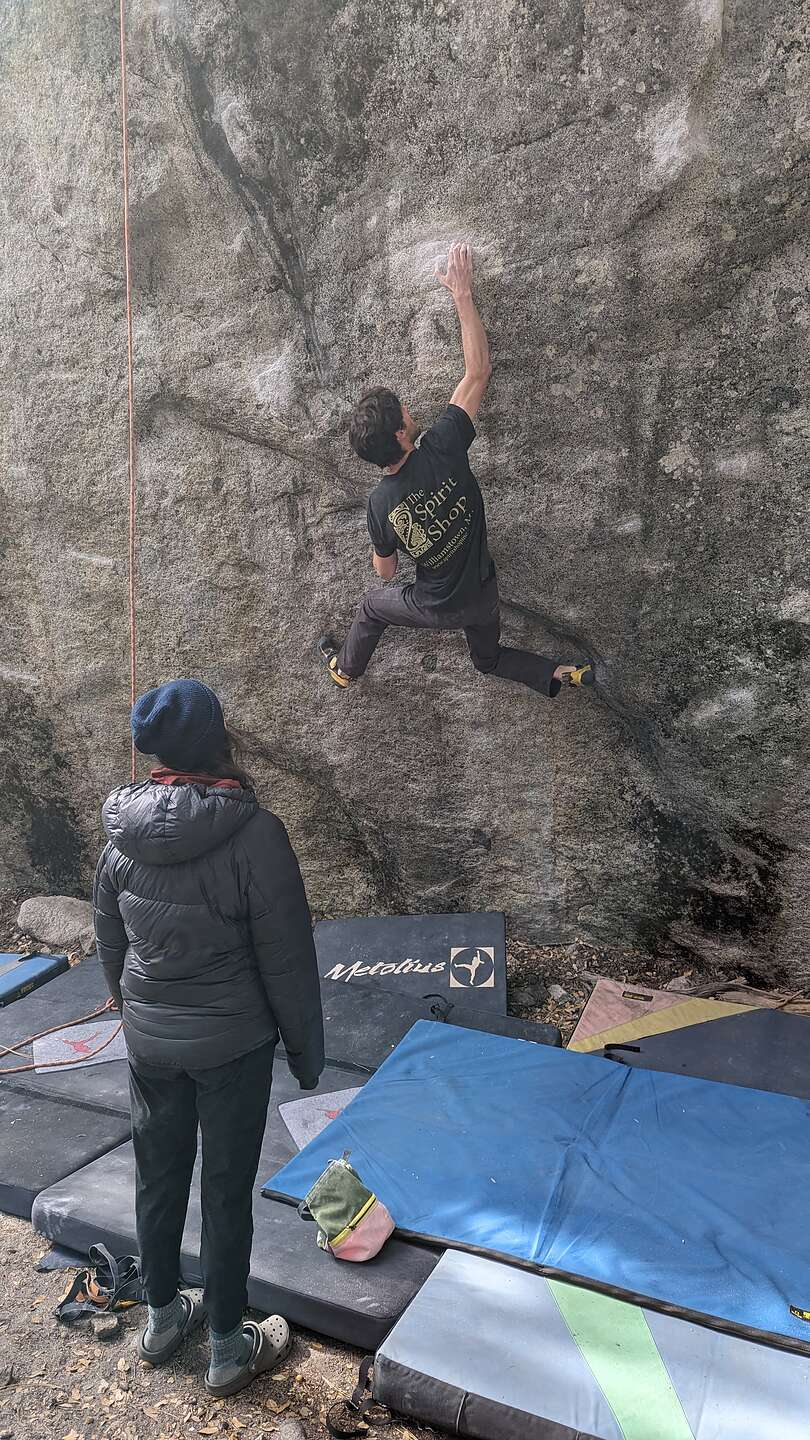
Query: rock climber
pixel 205 935
pixel 428 506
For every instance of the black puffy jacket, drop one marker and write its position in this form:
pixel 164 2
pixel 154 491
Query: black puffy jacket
pixel 203 929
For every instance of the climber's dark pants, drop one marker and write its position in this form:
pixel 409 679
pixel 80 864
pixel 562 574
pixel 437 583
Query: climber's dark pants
pixel 480 620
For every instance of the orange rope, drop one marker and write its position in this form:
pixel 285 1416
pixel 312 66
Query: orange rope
pixel 21 1044
pixel 130 380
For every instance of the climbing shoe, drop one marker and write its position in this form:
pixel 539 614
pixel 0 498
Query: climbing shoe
pixel 583 675
pixel 329 656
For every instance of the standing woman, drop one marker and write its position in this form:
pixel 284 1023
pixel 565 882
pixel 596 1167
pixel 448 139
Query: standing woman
pixel 204 931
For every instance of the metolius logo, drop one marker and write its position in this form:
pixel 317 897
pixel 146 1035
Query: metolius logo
pixel 472 967
pixel 362 972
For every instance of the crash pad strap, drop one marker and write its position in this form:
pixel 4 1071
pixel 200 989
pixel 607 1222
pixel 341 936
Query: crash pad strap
pixel 616 1343
pixel 676 1017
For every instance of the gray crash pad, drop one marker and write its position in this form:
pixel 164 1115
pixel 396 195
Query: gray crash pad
pixel 354 1303
pixel 308 1117
pixel 43 1139
pixel 77 992
pixel 490 1351
pixel 456 956
pixel 362 1025
pixel 761 1050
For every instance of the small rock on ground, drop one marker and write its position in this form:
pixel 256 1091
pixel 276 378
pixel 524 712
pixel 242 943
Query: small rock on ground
pixel 106 1327
pixel 557 992
pixel 58 920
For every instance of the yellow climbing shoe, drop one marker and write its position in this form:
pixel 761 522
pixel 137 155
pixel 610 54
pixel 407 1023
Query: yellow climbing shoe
pixel 328 654
pixel 583 675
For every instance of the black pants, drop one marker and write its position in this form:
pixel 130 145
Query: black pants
pixel 230 1104
pixel 480 620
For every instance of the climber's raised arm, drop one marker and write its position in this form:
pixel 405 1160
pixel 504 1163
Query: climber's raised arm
pixel 457 278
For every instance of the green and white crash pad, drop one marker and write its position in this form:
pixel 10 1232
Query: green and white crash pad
pixel 490 1351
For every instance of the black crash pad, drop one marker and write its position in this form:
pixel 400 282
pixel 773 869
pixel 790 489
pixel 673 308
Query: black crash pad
pixel 761 1049
pixel 354 1303
pixel 77 992
pixel 459 957
pixel 43 1139
pixel 363 1025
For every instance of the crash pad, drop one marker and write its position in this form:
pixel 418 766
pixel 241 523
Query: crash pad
pixel 354 1303
pixel 77 992
pixel 460 957
pixel 682 1193
pixel 20 974
pixel 612 1003
pixel 43 1139
pixel 362 1026
pixel 674 1017
pixel 98 1042
pixel 307 1117
pixel 526 1358
pixel 763 1049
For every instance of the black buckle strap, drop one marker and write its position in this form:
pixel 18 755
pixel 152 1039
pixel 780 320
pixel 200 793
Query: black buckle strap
pixel 353 1417
pixel 107 1284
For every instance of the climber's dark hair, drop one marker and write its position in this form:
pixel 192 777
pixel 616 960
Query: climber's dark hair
pixel 373 428
pixel 226 762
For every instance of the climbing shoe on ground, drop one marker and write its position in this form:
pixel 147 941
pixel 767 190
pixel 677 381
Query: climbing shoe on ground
pixel 162 1346
pixel 329 656
pixel 583 675
pixel 271 1343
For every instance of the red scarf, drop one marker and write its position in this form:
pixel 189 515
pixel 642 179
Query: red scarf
pixel 163 775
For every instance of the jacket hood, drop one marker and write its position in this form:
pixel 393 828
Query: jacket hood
pixel 168 824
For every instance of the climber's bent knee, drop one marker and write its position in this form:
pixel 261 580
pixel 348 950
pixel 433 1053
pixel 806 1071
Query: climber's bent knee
pixel 485 664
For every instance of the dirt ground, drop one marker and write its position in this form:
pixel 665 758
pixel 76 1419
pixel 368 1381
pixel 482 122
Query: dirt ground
pixel 60 1382
pixel 64 1383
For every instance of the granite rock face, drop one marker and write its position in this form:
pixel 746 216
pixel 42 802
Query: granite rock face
pixel 634 180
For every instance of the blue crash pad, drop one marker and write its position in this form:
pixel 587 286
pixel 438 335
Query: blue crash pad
pixel 20 974
pixel 662 1188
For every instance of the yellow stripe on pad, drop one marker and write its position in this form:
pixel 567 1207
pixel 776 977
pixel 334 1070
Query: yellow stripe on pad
pixel 658 1022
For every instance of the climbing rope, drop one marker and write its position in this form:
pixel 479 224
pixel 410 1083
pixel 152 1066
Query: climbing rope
pixel 133 678
pixel 22 1045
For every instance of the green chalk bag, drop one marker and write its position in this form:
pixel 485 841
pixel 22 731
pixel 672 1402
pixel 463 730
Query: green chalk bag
pixel 352 1223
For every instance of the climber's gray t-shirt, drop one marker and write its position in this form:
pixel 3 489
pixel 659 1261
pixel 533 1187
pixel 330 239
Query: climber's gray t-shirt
pixel 433 511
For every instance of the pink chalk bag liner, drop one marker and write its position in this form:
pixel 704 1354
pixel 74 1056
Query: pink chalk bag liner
pixel 352 1223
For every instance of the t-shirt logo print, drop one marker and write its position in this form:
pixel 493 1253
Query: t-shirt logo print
pixel 472 967
pixel 410 532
